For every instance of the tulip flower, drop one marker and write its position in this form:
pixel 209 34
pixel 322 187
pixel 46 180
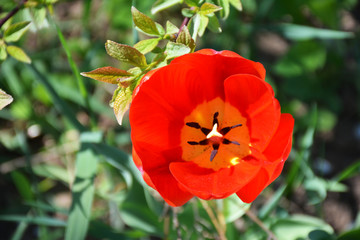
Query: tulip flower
pixel 208 125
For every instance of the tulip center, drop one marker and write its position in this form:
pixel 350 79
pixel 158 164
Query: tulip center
pixel 215 135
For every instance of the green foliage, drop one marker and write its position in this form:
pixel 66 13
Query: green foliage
pixel 5 99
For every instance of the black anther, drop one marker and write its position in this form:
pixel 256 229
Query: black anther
pixel 205 131
pixel 193 125
pixel 215 120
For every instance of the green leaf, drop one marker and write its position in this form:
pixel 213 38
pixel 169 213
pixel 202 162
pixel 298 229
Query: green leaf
pixel 147 45
pixel 184 37
pixel 214 24
pixel 298 32
pixel 45 221
pixel 174 50
pixel 140 217
pixel 122 103
pixel 272 203
pixel 107 74
pixel 23 185
pixel 15 31
pixel 18 54
pixel 5 99
pixel 196 23
pixel 316 190
pixel 3 53
pixel 237 4
pixel 82 194
pixel 298 227
pixel 192 3
pixel 349 172
pixel 320 235
pixel 204 20
pixel 163 4
pixel 224 4
pixel 208 8
pixel 52 171
pixel 160 29
pixel 188 12
pixel 171 28
pixel 234 208
pixel 125 53
pixel 143 22
pixel 350 235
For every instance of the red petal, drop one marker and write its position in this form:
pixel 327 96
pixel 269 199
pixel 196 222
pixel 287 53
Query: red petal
pixel 162 181
pixel 251 190
pixel 158 110
pixel 222 64
pixel 207 183
pixel 276 153
pixel 280 145
pixel 172 192
pixel 252 97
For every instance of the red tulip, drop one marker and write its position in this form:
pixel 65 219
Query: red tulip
pixel 208 125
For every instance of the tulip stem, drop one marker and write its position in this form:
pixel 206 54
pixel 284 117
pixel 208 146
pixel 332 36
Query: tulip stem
pixel 255 219
pixel 214 220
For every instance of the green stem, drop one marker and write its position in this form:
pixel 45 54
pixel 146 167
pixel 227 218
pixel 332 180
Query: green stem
pixel 12 13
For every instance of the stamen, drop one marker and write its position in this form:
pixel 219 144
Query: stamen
pixel 225 130
pixel 227 141
pixel 202 142
pixel 214 152
pixel 193 125
pixel 205 131
pixel 215 120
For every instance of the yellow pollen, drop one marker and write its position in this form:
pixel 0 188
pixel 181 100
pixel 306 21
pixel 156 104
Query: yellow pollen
pixel 234 161
pixel 214 132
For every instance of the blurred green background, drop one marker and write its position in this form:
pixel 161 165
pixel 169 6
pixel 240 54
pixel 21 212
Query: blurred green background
pixel 65 163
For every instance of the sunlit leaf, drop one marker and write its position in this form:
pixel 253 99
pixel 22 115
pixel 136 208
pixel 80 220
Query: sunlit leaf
pixel 174 50
pixel 125 53
pixel 204 20
pixel 184 37
pixel 107 74
pixel 163 4
pixel 147 45
pixel 18 54
pixel 208 8
pixel 15 31
pixel 143 22
pixel 171 28
pixel 122 103
pixel 5 99
pixel 298 227
pixel 3 53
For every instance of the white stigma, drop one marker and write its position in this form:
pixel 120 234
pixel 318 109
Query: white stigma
pixel 214 133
